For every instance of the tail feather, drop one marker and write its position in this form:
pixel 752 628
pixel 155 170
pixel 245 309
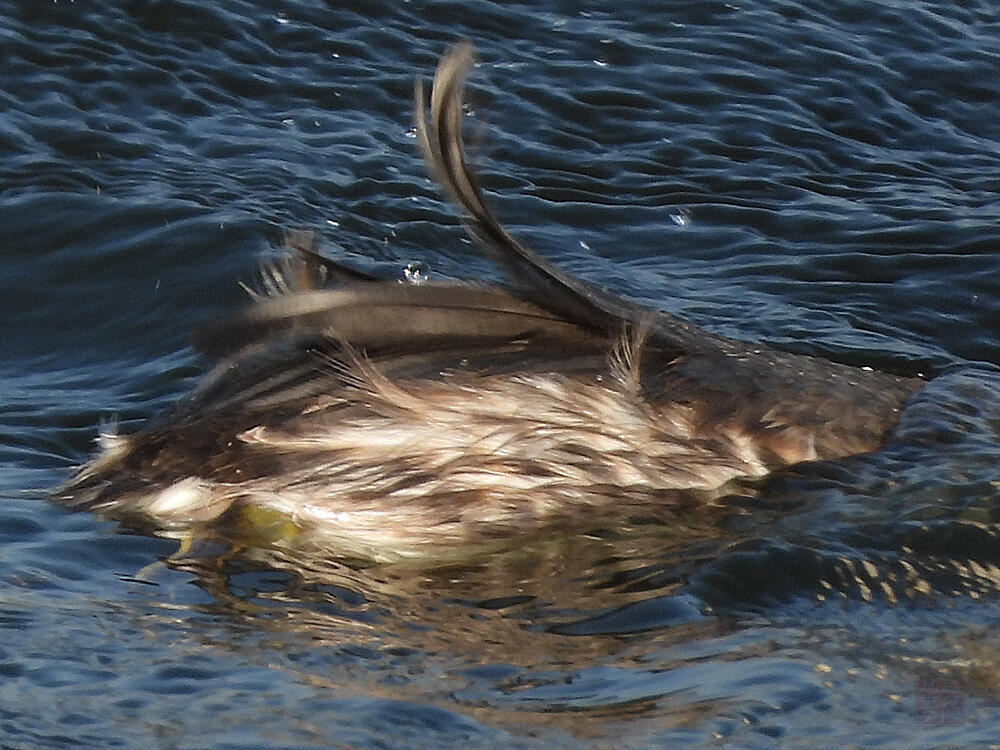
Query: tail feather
pixel 547 285
pixel 441 141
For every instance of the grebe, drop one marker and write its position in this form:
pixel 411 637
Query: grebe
pixel 390 416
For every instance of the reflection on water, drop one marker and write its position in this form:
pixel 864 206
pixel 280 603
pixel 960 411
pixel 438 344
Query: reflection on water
pixel 584 631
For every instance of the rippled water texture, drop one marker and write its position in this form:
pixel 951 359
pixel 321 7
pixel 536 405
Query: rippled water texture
pixel 824 176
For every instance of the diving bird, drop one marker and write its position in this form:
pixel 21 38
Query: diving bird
pixel 394 416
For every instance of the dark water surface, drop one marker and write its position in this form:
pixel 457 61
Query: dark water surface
pixel 820 175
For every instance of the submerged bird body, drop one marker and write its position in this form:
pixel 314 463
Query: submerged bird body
pixel 390 416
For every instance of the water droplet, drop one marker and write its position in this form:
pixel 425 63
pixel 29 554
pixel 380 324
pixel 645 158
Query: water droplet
pixel 416 272
pixel 680 218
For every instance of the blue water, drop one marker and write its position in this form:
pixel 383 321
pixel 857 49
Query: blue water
pixel 824 176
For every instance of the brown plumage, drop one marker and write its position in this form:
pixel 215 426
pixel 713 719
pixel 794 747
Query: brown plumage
pixel 384 417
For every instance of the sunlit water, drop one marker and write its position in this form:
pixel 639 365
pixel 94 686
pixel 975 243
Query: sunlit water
pixel 820 175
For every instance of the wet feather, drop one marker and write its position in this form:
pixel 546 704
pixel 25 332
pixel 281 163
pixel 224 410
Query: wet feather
pixel 384 417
